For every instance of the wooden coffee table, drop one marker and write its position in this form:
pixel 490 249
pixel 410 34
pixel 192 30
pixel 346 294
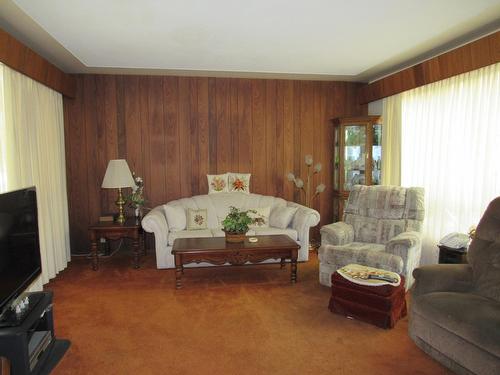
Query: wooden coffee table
pixel 216 250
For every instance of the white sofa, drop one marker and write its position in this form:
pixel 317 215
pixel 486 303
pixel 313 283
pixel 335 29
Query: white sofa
pixel 217 206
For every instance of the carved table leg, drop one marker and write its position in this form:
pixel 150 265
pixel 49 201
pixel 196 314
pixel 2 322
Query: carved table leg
pixel 142 244
pixel 135 246
pixel 294 266
pixel 95 259
pixel 179 270
pixel 282 263
pixel 93 250
pixel 178 275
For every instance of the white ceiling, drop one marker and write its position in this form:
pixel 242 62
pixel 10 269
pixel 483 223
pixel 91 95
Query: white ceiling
pixel 356 39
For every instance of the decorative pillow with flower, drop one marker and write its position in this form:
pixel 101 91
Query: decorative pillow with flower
pixel 239 182
pixel 217 183
pixel 196 219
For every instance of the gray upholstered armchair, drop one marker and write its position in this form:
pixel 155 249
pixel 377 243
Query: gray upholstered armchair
pixel 455 308
pixel 381 229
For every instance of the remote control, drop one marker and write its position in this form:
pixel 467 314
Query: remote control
pixel 384 278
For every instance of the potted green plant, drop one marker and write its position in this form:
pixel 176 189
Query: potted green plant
pixel 236 223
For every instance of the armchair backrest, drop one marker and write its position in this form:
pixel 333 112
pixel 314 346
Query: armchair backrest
pixel 379 213
pixel 484 253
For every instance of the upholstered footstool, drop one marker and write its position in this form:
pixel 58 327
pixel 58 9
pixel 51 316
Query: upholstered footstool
pixel 381 305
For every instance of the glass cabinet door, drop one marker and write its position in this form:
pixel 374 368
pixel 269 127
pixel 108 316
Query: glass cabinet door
pixel 336 159
pixel 354 155
pixel 357 155
pixel 376 154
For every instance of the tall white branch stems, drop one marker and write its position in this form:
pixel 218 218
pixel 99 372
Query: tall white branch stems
pixel 306 188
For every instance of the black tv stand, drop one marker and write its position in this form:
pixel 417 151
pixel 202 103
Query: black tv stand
pixel 29 343
pixel 11 319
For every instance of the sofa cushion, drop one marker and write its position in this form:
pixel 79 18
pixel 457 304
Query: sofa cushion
pixel 262 216
pixel 202 233
pixel 222 202
pixel 197 219
pixel 281 217
pixel 239 182
pixel 219 204
pixel 217 183
pixel 198 202
pixel 467 315
pixel 218 232
pixel 292 233
pixel 176 217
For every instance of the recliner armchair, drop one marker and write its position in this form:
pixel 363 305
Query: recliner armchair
pixel 455 308
pixel 381 228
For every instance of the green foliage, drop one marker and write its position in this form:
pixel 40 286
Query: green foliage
pixel 237 221
pixel 355 135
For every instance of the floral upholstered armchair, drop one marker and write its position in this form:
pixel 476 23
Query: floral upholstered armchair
pixel 381 229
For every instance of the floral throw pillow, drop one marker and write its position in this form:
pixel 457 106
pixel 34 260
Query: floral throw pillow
pixel 239 182
pixel 217 183
pixel 196 219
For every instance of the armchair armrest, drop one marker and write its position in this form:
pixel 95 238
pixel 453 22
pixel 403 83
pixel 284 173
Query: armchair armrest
pixel 156 222
pixel 403 242
pixel 340 257
pixel 442 278
pixel 338 233
pixel 407 245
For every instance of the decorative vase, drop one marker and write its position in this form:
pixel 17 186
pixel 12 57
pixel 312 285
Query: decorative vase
pixel 138 214
pixel 235 237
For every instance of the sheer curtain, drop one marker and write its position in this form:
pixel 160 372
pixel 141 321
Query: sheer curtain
pixel 32 153
pixel 450 146
pixel 391 141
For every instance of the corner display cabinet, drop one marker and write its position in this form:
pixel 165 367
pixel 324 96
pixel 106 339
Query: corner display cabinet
pixel 357 156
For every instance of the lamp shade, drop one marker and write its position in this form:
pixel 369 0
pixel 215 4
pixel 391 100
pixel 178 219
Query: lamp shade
pixel 118 175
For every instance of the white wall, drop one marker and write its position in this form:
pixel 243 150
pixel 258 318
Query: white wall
pixel 375 108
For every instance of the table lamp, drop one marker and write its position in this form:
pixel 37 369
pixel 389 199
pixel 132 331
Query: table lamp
pixel 118 176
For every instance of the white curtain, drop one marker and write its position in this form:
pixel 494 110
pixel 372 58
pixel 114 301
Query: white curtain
pixel 450 146
pixel 32 153
pixel 391 141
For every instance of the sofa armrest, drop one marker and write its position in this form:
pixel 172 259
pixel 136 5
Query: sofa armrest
pixel 442 278
pixel 338 233
pixel 304 218
pixel 156 222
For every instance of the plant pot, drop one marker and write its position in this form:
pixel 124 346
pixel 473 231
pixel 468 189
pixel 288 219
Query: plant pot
pixel 235 237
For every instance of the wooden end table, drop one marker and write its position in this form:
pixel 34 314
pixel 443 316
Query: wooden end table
pixel 114 231
pixel 448 255
pixel 215 250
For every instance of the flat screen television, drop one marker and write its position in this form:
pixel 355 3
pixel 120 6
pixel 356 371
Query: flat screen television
pixel 20 262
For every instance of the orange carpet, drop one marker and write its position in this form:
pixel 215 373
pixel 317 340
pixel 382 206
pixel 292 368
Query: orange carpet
pixel 226 320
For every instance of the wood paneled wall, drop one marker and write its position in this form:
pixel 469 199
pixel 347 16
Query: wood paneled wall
pixel 474 55
pixel 175 130
pixel 24 60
